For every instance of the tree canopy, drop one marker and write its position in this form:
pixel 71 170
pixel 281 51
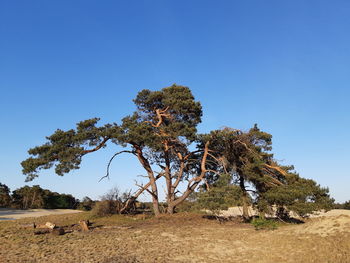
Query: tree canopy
pixel 162 135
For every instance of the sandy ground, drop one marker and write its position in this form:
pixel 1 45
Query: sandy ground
pixel 182 237
pixel 237 211
pixel 12 214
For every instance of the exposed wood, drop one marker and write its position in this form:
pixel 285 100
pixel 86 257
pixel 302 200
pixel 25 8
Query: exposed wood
pixel 84 225
pixel 278 169
pixel 132 199
pixel 197 179
pixel 47 225
pixel 245 199
pixel 146 165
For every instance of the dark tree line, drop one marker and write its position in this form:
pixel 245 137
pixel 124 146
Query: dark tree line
pixel 162 135
pixel 31 197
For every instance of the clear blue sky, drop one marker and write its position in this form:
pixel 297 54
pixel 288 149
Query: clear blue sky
pixel 282 64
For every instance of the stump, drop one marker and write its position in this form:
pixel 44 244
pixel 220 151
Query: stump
pixel 84 225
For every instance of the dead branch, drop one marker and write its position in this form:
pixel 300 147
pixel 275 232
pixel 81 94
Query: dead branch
pixel 278 169
pixel 110 161
pixel 144 188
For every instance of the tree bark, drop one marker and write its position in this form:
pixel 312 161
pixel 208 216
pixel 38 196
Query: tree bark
pixel 245 199
pixel 196 180
pixel 170 209
pixel 154 191
pixel 170 193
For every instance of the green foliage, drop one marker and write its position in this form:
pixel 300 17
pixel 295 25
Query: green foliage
pixel 221 195
pixel 302 196
pixel 28 197
pixel 184 113
pixel 36 197
pixel 264 224
pixel 188 206
pixel 161 132
pixel 86 204
pixel 345 205
pixel 5 198
pixel 59 201
pixel 65 149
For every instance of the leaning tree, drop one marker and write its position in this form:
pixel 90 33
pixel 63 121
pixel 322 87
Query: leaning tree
pixel 247 157
pixel 160 134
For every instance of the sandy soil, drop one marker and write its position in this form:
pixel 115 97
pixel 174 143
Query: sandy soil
pixel 12 214
pixel 178 238
pixel 238 211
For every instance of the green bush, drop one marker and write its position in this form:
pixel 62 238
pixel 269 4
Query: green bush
pixel 264 224
pixel 221 195
pixel 86 204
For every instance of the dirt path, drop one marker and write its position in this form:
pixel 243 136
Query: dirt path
pixel 13 214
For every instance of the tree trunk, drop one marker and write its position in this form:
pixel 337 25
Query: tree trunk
pixel 156 209
pixel 245 199
pixel 197 180
pixel 154 191
pixel 171 209
pixel 262 214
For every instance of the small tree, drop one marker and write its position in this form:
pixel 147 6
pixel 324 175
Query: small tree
pixel 86 204
pixel 220 195
pixel 112 203
pixel 302 196
pixel 247 157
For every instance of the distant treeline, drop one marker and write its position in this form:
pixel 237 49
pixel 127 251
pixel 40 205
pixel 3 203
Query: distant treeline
pixel 345 205
pixel 31 197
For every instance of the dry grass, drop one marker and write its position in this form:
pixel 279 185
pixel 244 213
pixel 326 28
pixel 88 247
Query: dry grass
pixel 179 238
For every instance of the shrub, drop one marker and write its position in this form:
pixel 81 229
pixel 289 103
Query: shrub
pixel 86 204
pixel 266 224
pixel 220 196
pixel 105 208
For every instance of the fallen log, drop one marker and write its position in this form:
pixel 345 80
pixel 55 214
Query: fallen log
pixel 117 227
pixel 48 225
pixel 58 231
pixel 42 231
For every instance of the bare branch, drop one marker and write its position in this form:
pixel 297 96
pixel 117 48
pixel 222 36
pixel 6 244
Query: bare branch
pixel 110 161
pixel 144 188
pixel 278 169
